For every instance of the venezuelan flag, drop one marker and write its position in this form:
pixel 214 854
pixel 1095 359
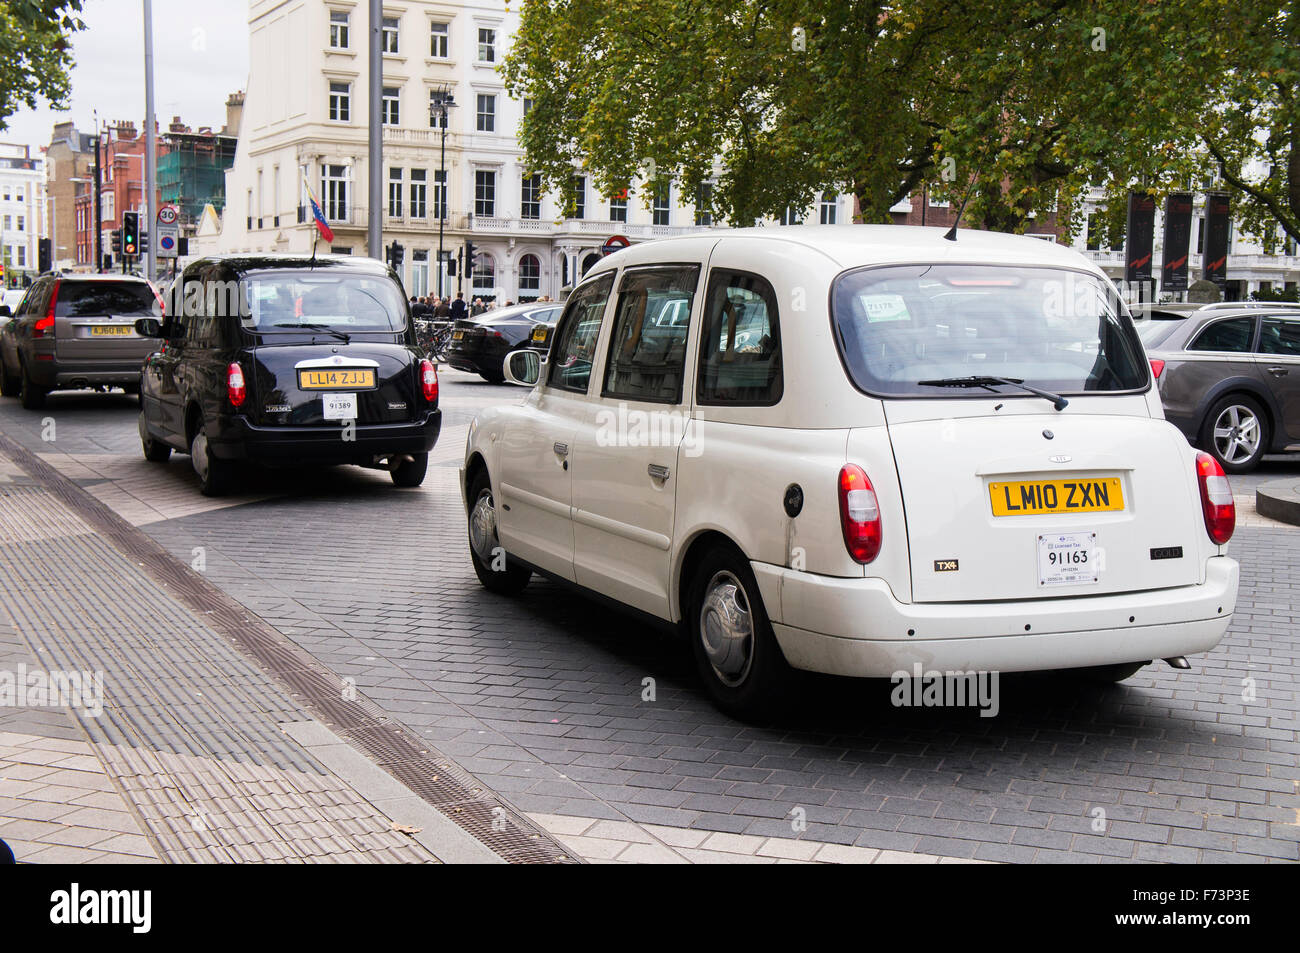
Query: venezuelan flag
pixel 322 225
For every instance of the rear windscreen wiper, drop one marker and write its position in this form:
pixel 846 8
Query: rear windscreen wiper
pixel 341 335
pixel 1059 402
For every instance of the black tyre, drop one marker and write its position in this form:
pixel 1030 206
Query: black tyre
pixel 493 378
pixel 1236 433
pixel 216 476
pixel 1112 673
pixel 31 395
pixel 411 472
pixel 155 451
pixel 495 570
pixel 10 385
pixel 731 638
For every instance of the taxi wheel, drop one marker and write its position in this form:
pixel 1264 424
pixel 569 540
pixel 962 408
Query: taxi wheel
pixel 216 476
pixel 155 451
pixel 495 570
pixel 411 472
pixel 1112 673
pixel 735 651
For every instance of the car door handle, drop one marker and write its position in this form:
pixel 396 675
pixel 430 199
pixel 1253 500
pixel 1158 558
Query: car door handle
pixel 561 448
pixel 658 472
pixel 1278 371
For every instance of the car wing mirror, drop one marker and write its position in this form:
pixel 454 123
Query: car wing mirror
pixel 523 367
pixel 5 312
pixel 148 327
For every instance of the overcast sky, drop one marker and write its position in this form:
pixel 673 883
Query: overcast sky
pixel 200 57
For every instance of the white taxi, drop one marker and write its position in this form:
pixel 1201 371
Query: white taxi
pixel 855 450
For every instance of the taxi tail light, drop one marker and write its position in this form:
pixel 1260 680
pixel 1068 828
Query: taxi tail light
pixel 1216 499
pixel 859 514
pixel 429 380
pixel 1157 368
pixel 235 387
pixel 47 323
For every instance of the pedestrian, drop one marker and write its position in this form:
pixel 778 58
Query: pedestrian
pixel 476 308
pixel 443 311
pixel 458 309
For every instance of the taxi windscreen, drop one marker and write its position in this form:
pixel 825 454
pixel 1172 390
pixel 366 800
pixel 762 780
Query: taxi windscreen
pixel 902 325
pixel 347 302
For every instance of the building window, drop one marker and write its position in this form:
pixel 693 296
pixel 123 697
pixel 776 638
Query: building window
pixel 618 207
pixel 339 30
pixel 487 45
pixel 440 194
pixel 828 207
pixel 22 256
pixel 395 193
pixel 528 107
pixel 334 191
pixel 439 37
pixel 390 108
pixel 790 216
pixel 22 223
pixel 530 273
pixel 531 206
pixel 487 113
pixel 438 117
pixel 485 193
pixel 485 274
pixel 662 209
pixel 704 205
pixel 389 39
pixel 418 193
pixel 578 197
pixel 340 102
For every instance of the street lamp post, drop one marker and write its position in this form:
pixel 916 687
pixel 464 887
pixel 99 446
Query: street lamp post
pixel 439 103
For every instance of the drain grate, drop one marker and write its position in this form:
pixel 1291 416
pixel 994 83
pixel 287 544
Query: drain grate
pixel 398 750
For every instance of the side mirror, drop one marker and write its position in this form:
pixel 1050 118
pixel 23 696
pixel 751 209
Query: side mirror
pixel 5 312
pixel 523 367
pixel 148 327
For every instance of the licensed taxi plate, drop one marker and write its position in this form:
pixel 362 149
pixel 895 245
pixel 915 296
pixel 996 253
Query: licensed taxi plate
pixel 540 332
pixel 336 378
pixel 1056 497
pixel 457 335
pixel 111 330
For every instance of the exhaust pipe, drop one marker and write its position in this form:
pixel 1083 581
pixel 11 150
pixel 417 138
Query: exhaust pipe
pixel 1178 662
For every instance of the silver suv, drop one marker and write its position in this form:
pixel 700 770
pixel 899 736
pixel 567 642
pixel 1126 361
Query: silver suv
pixel 75 332
pixel 1229 376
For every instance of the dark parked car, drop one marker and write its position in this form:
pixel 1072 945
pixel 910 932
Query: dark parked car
pixel 76 332
pixel 480 344
pixel 279 359
pixel 1229 377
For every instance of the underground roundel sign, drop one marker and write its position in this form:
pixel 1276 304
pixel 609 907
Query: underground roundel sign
pixel 613 244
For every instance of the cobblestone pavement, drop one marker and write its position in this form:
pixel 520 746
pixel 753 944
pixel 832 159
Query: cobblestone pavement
pixel 541 696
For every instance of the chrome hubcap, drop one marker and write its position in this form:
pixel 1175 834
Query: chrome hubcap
pixel 483 526
pixel 199 455
pixel 1237 434
pixel 727 628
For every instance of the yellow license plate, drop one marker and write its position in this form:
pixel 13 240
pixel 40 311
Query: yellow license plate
pixel 539 334
pixel 457 335
pixel 339 378
pixel 1055 497
pixel 111 330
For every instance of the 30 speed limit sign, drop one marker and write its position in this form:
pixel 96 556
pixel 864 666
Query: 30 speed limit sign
pixel 167 215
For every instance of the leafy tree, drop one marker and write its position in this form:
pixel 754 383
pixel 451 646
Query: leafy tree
pixel 35 52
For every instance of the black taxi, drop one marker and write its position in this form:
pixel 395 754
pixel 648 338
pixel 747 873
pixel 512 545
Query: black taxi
pixel 289 360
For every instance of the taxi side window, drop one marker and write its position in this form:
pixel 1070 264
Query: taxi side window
pixel 1233 335
pixel 740 347
pixel 575 342
pixel 647 347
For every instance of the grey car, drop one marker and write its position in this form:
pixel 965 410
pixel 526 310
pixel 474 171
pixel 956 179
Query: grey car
pixel 76 331
pixel 1229 376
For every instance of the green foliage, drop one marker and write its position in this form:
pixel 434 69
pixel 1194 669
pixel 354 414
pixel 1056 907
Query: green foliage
pixel 35 52
pixel 1025 103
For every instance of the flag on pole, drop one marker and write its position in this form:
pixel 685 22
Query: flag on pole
pixel 322 225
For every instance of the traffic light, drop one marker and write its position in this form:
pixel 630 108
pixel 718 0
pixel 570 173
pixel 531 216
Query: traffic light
pixel 116 241
pixel 44 255
pixel 130 233
pixel 396 254
pixel 469 258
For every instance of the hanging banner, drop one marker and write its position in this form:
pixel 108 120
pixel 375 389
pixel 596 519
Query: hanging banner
pixel 1217 212
pixel 1139 237
pixel 1177 243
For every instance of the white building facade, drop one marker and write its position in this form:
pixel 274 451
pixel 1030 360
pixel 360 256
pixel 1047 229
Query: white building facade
pixel 22 212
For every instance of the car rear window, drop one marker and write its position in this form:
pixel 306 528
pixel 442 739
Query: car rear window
pixel 284 300
pixel 1156 331
pixel 1057 329
pixel 78 299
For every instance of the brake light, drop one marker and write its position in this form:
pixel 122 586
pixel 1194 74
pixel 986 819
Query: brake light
pixel 429 380
pixel 47 323
pixel 1157 368
pixel 859 514
pixel 1216 499
pixel 235 388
